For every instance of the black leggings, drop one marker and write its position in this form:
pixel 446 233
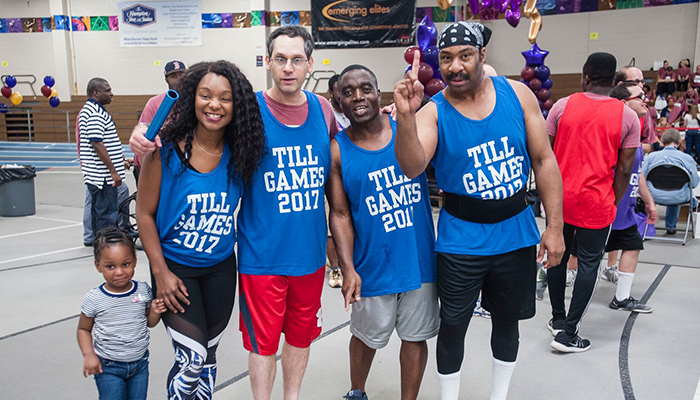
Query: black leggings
pixel 505 339
pixel 196 333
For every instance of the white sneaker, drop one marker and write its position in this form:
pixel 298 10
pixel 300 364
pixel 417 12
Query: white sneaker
pixel 571 277
pixel 609 274
pixel 335 278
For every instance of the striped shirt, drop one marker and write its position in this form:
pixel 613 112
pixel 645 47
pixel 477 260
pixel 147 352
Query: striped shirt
pixel 96 125
pixel 120 332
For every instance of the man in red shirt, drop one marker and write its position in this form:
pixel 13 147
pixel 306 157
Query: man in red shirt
pixel 594 138
pixel 174 70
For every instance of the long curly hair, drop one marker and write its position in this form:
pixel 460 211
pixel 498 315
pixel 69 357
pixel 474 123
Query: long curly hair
pixel 245 135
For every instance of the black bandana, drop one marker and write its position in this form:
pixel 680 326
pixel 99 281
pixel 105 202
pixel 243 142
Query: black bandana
pixel 464 34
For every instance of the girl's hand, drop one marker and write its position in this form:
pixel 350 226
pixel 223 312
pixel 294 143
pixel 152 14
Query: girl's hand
pixel 158 306
pixel 172 291
pixel 91 365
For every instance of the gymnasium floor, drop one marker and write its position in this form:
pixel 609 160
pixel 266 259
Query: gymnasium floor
pixel 45 272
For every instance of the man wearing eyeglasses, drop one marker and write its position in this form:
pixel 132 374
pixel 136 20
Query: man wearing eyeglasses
pixel 625 234
pixel 282 229
pixel 628 76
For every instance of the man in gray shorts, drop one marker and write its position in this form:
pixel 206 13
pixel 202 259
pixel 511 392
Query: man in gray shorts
pixel 384 236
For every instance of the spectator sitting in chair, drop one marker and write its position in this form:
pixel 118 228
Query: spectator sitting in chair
pixel 671 155
pixel 673 111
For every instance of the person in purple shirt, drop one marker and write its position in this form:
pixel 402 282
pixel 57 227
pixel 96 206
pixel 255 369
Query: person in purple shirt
pixel 682 76
pixel 625 234
pixel 665 80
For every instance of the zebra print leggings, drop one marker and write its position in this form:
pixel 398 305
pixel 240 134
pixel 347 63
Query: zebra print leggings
pixel 196 333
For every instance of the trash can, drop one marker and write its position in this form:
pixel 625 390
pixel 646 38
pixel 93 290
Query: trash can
pixel 17 190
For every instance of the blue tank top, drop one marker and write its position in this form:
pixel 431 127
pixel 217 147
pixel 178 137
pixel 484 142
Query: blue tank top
pixel 486 159
pixel 282 223
pixel 626 216
pixel 195 211
pixel 394 233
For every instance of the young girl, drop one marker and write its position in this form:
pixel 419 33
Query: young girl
pixel 112 331
pixel 188 191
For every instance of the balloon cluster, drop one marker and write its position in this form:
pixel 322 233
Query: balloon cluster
pixel 429 70
pixel 490 9
pixel 536 76
pixel 48 91
pixel 15 97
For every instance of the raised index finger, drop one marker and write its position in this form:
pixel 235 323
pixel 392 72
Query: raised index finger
pixel 415 66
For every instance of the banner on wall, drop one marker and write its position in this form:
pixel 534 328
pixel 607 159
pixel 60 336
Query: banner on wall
pixel 160 23
pixel 348 24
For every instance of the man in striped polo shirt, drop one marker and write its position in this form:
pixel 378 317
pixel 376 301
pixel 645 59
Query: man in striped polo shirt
pixel 101 156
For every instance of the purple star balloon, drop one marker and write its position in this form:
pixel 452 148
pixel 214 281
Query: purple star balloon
pixel 535 56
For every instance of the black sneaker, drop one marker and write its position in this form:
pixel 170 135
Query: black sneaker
pixel 570 344
pixel 670 231
pixel 629 304
pixel 555 326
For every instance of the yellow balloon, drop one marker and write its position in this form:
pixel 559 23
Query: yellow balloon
pixel 16 98
pixel 54 93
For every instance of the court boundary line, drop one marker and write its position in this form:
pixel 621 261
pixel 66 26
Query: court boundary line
pixel 245 374
pixel 41 255
pixel 73 225
pixel 623 357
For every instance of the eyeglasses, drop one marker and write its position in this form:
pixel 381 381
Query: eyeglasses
pixel 641 97
pixel 633 81
pixel 296 61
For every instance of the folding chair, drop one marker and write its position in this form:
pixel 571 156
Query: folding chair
pixel 671 177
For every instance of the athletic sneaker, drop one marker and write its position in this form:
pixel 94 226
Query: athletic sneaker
pixel 335 278
pixel 571 277
pixel 480 311
pixel 541 282
pixel 555 326
pixel 609 274
pixel 355 395
pixel 629 304
pixel 570 344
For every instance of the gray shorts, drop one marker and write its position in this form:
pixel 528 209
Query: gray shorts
pixel 414 314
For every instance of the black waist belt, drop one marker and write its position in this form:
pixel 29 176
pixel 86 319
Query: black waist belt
pixel 484 211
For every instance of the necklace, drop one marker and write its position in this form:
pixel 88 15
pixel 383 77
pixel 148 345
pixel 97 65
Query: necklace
pixel 201 148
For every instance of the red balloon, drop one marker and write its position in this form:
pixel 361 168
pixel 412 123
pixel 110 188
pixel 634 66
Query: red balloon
pixel 425 73
pixel 434 86
pixel 543 94
pixel 535 84
pixel 547 104
pixel 527 73
pixel 46 91
pixel 6 91
pixel 408 54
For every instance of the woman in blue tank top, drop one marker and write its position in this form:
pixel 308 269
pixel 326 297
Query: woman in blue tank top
pixel 188 192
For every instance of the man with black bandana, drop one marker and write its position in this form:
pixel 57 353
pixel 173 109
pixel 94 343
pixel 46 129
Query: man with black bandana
pixel 482 135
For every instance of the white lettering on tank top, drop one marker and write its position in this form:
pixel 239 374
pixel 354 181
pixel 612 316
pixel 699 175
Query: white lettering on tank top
pixel 394 198
pixel 497 170
pixel 298 178
pixel 205 221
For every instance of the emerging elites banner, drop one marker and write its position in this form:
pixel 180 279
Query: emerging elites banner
pixel 348 24
pixel 160 23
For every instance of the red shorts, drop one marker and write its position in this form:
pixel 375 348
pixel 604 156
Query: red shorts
pixel 272 304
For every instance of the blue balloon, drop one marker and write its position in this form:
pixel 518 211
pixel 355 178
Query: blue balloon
pixel 410 67
pixel 437 74
pixel 524 81
pixel 542 72
pixel 49 81
pixel 545 113
pixel 426 34
pixel 10 81
pixel 547 83
pixel 4 108
pixel 430 56
pixel 54 101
